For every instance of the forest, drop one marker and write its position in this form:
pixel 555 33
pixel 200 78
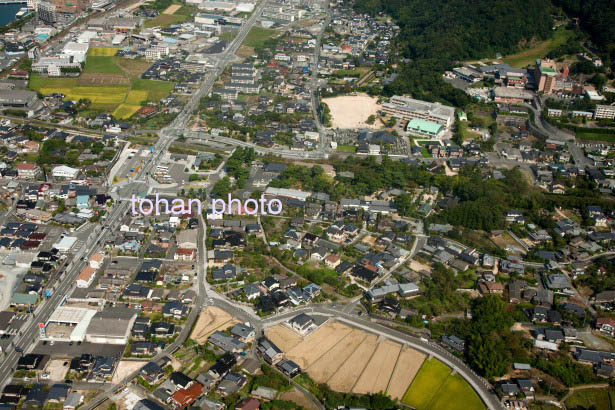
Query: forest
pixel 596 18
pixel 436 34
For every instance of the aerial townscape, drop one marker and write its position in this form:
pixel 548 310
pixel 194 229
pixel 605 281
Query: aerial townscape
pixel 307 204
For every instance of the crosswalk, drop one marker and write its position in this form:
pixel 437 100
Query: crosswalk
pixel 78 245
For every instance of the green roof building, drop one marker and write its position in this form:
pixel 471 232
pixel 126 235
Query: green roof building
pixel 24 299
pixel 425 128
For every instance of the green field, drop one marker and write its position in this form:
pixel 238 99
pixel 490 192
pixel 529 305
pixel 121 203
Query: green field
pixel 156 90
pixel 257 36
pixel 124 111
pixel 136 97
pixel 434 388
pixel 602 399
pixel 529 56
pixel 185 13
pixel 595 136
pixel 346 148
pixel 101 65
pixel 455 387
pixel 425 385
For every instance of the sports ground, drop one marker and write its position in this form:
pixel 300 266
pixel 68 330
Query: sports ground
pixel 110 82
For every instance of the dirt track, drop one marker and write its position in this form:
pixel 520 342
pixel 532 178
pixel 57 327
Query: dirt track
pixel 408 365
pixel 377 373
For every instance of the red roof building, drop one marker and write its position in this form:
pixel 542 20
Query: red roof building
pixel 183 398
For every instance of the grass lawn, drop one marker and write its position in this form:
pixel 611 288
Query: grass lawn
pixel 346 148
pixel 257 36
pixel 426 153
pixel 101 65
pixel 603 399
pixel 426 384
pixel 529 56
pixel 456 394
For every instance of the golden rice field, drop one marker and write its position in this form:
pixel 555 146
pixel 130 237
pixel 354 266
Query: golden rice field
pixel 98 95
pixel 124 111
pixel 136 97
pixel 102 52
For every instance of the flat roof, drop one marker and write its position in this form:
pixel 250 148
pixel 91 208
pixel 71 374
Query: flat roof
pixel 428 126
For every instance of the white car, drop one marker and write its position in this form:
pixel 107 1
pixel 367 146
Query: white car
pixel 45 376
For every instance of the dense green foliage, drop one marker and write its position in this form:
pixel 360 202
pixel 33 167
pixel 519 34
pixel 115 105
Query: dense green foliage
pixel 435 34
pixel 487 348
pixel 238 165
pixel 596 17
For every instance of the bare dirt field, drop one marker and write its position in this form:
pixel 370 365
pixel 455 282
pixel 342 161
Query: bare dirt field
pixel 418 266
pixel 348 374
pixel 210 320
pixel 377 373
pixel 172 9
pixel 56 369
pixel 351 111
pixel 126 367
pixel 317 344
pixel 283 337
pixel 330 362
pixel 408 365
pixel 296 396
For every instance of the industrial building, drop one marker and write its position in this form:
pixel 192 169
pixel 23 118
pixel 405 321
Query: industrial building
pixel 111 326
pixel 68 324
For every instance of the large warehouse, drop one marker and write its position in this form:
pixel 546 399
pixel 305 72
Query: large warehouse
pixel 69 323
pixel 111 326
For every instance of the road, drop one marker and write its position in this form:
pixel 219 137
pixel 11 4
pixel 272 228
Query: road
pixel 167 135
pixel 314 79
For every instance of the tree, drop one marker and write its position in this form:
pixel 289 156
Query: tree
pixel 371 119
pixel 222 188
pixel 404 204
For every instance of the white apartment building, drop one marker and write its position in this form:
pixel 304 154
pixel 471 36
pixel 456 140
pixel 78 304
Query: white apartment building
pixel 407 109
pixel 604 111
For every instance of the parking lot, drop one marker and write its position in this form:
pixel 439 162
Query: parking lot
pixel 67 350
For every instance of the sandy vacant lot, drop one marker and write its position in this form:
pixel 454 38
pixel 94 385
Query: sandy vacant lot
pixel 350 111
pixel 330 362
pixel 418 266
pixel 125 368
pixel 377 373
pixel 172 9
pixel 408 365
pixel 349 359
pixel 56 369
pixel 350 372
pixel 211 319
pixel 317 343
pixel 283 337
